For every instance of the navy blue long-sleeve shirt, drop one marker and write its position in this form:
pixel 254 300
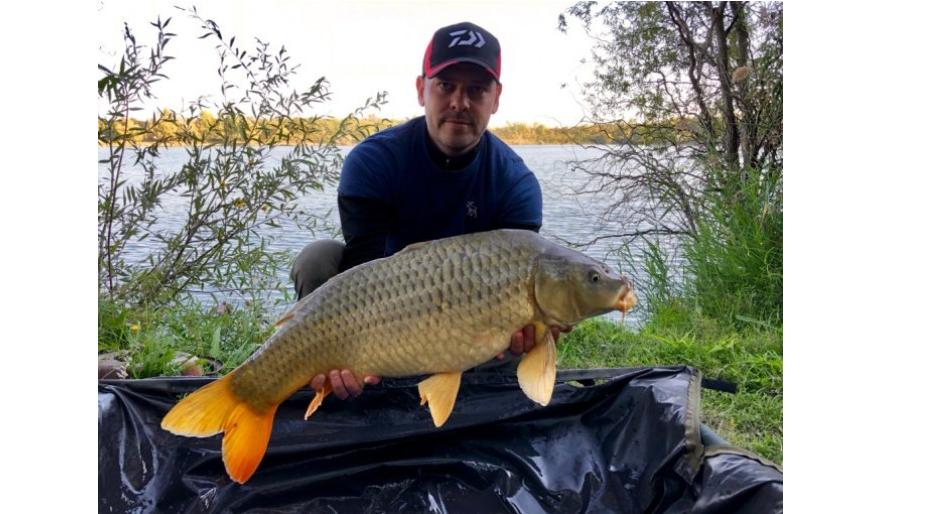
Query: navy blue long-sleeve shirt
pixel 393 194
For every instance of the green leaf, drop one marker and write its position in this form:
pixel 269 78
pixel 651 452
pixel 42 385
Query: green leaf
pixel 216 349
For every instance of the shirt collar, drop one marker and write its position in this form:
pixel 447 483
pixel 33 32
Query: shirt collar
pixel 446 162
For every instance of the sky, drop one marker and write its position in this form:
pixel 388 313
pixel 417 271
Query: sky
pixel 367 46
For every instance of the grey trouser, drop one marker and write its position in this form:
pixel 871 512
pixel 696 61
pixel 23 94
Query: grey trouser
pixel 315 264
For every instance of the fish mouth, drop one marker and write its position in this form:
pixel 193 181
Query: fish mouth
pixel 626 299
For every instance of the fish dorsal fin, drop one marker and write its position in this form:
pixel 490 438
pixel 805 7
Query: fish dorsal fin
pixel 288 315
pixel 439 391
pixel 282 321
pixel 536 372
pixel 415 246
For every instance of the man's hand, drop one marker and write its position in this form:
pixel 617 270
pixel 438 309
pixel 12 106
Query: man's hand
pixel 343 383
pixel 525 339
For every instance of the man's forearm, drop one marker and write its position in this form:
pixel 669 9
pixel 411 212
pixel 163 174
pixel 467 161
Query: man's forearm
pixel 365 224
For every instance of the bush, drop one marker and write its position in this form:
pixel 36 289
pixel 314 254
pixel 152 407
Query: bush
pixel 736 260
pixel 730 271
pixel 230 183
pixel 148 339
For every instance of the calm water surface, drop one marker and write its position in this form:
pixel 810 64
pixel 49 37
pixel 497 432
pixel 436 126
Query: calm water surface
pixel 566 215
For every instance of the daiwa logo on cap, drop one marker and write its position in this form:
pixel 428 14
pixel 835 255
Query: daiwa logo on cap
pixel 472 38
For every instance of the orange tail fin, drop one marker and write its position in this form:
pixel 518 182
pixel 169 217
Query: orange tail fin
pixel 214 409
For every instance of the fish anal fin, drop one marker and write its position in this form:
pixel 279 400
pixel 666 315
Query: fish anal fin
pixel 536 372
pixel 247 434
pixel 319 397
pixel 439 391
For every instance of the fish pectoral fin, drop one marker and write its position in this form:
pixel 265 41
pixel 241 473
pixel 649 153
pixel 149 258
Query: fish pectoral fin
pixel 536 372
pixel 319 397
pixel 440 392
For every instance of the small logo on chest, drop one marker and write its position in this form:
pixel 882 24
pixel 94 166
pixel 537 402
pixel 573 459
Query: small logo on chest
pixel 471 210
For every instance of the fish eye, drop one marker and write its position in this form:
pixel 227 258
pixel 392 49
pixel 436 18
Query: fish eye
pixel 593 276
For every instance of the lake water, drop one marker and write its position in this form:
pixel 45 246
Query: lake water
pixel 567 216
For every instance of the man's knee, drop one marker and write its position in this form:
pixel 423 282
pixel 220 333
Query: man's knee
pixel 315 264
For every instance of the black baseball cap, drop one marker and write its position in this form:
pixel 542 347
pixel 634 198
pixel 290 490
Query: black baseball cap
pixel 463 42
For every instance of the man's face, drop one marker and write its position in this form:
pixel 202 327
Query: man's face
pixel 457 103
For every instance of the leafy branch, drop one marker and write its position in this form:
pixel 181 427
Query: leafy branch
pixel 246 167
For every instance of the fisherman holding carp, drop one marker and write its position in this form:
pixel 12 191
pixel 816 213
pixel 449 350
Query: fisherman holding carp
pixel 439 175
pixel 442 262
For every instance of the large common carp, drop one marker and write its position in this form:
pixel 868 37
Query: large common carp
pixel 438 308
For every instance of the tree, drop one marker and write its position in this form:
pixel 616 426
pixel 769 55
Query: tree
pixel 164 127
pixel 230 184
pixel 699 86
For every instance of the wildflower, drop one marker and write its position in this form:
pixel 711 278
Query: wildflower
pixel 135 327
pixel 239 203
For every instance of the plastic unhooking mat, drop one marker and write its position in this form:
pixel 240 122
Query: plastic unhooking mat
pixel 628 440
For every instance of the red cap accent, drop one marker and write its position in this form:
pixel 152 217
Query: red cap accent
pixel 430 47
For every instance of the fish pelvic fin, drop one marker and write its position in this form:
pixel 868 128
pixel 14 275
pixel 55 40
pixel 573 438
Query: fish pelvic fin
pixel 214 409
pixel 440 392
pixel 536 372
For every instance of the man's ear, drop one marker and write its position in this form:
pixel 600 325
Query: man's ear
pixel 419 83
pixel 494 108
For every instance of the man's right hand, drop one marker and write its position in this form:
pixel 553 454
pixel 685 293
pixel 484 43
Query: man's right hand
pixel 525 339
pixel 343 383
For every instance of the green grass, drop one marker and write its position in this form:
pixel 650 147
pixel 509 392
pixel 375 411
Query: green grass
pixel 148 339
pixel 752 358
pixel 735 264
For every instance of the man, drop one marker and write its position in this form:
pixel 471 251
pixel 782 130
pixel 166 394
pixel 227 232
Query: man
pixel 435 176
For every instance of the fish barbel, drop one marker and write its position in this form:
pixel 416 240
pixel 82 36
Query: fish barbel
pixel 437 308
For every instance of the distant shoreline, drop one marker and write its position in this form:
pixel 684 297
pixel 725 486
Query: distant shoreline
pixel 206 127
pixel 145 145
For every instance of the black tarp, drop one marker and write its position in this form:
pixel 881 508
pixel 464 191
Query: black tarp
pixel 626 441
